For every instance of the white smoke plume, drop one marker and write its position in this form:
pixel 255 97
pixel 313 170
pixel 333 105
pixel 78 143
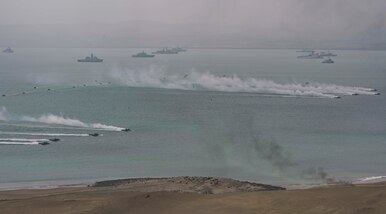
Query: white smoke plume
pixel 157 78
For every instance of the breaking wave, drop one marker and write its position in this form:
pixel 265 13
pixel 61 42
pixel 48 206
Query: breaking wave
pixel 372 179
pixel 157 78
pixel 57 120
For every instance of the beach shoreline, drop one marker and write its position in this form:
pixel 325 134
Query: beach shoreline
pixel 194 195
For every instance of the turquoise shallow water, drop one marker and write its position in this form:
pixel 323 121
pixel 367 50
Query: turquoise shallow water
pixel 190 116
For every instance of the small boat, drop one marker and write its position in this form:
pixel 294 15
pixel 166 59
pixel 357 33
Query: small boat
pixel 45 143
pixel 143 54
pixel 91 58
pixel 94 134
pixel 126 130
pixel 54 139
pixel 8 50
pixel 328 61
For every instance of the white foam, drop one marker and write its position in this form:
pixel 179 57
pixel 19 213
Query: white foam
pixel 57 120
pixel 60 120
pixel 157 78
pixel 45 134
pixel 19 143
pixel 22 140
pixel 372 179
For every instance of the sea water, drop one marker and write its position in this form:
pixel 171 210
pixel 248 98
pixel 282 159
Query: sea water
pixel 257 115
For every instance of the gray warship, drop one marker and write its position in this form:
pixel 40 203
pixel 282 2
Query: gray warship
pixel 143 54
pixel 91 58
pixel 8 50
pixel 328 61
pixel 179 49
pixel 165 51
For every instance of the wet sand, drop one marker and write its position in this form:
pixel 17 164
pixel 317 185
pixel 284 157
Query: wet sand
pixel 194 195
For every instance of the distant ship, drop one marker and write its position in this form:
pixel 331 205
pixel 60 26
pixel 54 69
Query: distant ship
pixel 165 51
pixel 179 49
pixel 328 54
pixel 143 54
pixel 8 50
pixel 90 59
pixel 328 61
pixel 312 55
pixel 305 51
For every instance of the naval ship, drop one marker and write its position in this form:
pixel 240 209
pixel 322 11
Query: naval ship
pixel 179 49
pixel 143 54
pixel 328 61
pixel 328 54
pixel 91 58
pixel 165 51
pixel 312 55
pixel 8 50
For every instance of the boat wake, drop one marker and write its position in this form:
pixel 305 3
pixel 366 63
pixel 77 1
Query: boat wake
pixel 193 80
pixel 45 134
pixel 19 143
pixel 57 120
pixel 23 141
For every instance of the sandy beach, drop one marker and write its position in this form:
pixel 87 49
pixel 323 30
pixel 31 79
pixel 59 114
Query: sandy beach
pixel 194 195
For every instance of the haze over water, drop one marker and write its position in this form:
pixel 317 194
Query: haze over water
pixel 259 115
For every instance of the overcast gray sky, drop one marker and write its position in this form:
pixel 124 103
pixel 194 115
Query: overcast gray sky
pixel 228 23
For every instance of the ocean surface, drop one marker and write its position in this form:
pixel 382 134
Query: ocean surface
pixel 257 115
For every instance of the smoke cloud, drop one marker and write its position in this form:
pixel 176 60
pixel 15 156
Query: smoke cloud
pixel 319 174
pixel 274 153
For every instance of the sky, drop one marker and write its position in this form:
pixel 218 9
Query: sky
pixel 355 24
